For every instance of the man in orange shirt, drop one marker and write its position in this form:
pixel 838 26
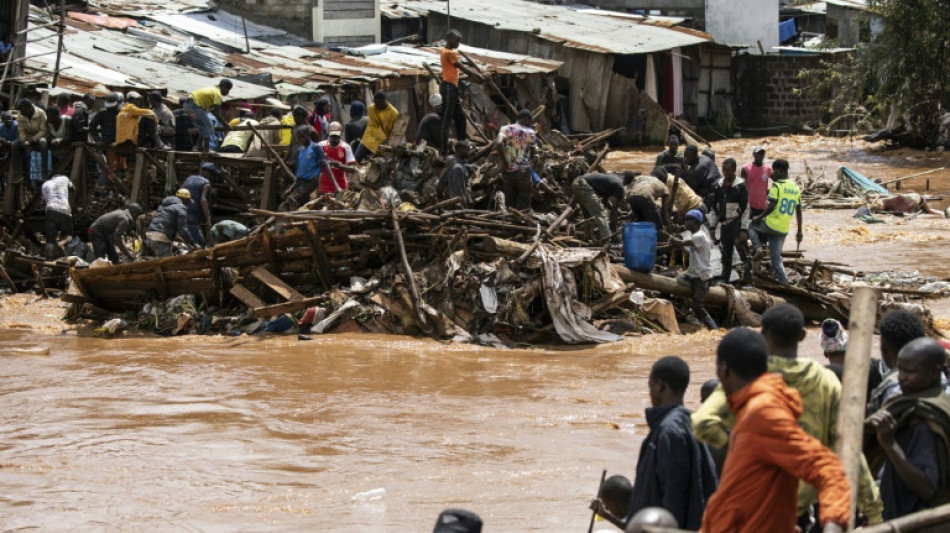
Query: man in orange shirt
pixel 449 89
pixel 768 451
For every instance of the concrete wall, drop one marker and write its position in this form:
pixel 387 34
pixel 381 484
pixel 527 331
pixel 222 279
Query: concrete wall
pixel 346 22
pixel 853 26
pixel 743 22
pixel 769 90
pixel 293 16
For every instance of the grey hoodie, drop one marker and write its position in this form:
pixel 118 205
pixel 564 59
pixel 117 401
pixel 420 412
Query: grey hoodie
pixel 170 218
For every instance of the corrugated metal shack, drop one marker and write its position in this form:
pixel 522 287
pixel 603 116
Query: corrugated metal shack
pixel 609 58
pixel 178 52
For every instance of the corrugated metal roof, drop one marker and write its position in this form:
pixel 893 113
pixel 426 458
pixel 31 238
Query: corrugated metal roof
pixel 860 5
pixel 586 29
pixel 219 28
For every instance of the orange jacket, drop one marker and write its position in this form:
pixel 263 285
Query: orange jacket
pixel 768 454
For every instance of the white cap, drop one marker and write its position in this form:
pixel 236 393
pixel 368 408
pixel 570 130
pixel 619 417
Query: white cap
pixel 435 100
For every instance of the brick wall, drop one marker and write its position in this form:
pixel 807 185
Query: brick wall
pixel 768 90
pixel 294 16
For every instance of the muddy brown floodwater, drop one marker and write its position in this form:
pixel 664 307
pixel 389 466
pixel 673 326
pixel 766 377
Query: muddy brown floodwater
pixel 215 434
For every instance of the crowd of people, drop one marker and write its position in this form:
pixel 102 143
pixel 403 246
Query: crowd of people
pixel 756 455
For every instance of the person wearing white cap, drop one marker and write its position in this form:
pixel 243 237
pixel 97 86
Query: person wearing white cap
pixel 341 159
pixel 130 126
pixel 430 128
pixel 757 175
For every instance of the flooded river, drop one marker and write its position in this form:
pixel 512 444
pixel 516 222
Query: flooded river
pixel 214 434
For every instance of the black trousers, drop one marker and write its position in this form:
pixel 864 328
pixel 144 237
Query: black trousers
pixel 644 210
pixel 56 223
pixel 729 239
pixel 516 187
pixel 451 112
pixel 102 246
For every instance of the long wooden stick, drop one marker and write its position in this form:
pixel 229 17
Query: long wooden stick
pixel 849 434
pixel 600 157
pixel 913 522
pixel 272 152
pixel 593 516
pixel 407 270
pixel 491 84
pixel 898 180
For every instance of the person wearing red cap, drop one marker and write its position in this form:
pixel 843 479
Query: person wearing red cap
pixel 341 160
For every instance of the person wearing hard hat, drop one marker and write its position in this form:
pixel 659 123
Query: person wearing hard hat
pixel 108 231
pixel 341 159
pixel 430 128
pixel 169 222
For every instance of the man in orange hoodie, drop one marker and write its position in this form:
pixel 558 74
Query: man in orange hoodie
pixel 768 451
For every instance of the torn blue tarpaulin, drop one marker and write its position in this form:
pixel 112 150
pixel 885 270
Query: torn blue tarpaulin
pixel 787 30
pixel 861 181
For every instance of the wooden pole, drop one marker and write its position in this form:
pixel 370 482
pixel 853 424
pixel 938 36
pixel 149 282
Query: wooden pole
pixel 600 157
pixel 898 180
pixel 273 152
pixel 593 516
pixel 407 271
pixel 247 42
pixel 849 434
pixel 913 522
pixel 492 85
pixel 59 42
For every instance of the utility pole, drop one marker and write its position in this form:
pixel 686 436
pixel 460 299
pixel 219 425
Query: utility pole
pixel 448 13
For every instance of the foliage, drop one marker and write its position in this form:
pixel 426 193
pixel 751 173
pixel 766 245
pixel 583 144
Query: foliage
pixel 904 70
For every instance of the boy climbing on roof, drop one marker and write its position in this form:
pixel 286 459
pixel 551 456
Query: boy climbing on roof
pixel 449 89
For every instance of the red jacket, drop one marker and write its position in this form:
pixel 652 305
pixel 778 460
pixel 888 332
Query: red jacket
pixel 768 454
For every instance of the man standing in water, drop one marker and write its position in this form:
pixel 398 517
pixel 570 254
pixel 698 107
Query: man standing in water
pixel 757 175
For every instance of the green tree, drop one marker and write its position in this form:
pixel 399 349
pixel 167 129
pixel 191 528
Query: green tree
pixel 904 70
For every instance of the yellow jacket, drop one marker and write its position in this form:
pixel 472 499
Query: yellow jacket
pixel 821 394
pixel 380 126
pixel 127 123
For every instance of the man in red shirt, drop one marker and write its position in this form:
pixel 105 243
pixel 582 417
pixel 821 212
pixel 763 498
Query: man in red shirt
pixel 757 175
pixel 341 159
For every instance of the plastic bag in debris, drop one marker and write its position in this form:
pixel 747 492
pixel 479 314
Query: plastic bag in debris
pixel 100 263
pixel 560 295
pixel 311 315
pixel 112 326
pixel 325 324
pixel 390 198
pixel 662 312
pixel 936 286
pixel 488 295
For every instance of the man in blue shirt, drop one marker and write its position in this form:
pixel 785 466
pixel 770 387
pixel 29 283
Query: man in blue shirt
pixel 310 163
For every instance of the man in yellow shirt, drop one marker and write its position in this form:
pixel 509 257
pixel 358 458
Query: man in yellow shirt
pixel 200 103
pixel 785 200
pixel 130 126
pixel 382 118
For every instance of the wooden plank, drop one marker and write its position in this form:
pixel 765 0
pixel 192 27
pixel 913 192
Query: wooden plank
pixel 276 284
pixel 270 188
pixel 247 297
pixel 849 433
pixel 319 256
pixel 138 180
pixel 269 248
pixel 286 307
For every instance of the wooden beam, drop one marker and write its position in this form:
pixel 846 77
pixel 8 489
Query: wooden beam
pixel 247 297
pixel 6 278
pixel 138 180
pixel 286 307
pixel 276 284
pixel 270 188
pixel 320 261
pixel 849 433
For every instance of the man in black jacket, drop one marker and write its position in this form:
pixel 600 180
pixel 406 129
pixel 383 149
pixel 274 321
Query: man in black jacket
pixel 168 223
pixel 701 173
pixel 729 209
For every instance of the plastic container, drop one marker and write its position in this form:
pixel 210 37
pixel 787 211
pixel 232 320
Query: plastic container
pixel 639 246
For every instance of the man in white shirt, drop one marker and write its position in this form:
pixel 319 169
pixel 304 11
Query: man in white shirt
pixel 59 215
pixel 699 272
